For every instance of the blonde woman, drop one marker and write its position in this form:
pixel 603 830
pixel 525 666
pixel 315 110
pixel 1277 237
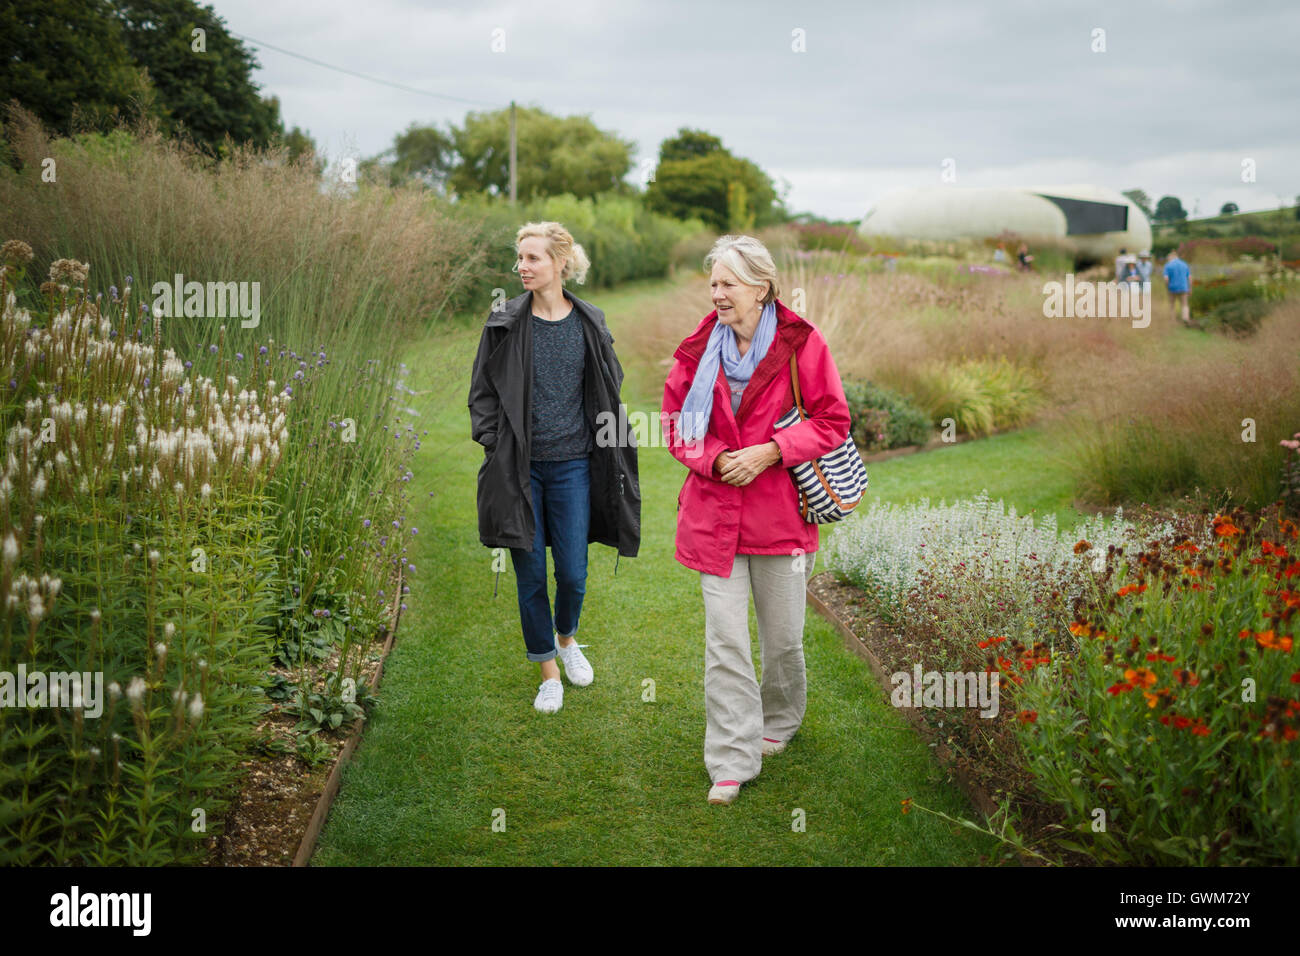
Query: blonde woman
pixel 544 378
pixel 738 517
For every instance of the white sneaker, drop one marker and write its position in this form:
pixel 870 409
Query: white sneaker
pixel 550 696
pixel 576 666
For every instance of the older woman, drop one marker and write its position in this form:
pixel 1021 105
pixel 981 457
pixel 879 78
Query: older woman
pixel 738 517
pixel 544 375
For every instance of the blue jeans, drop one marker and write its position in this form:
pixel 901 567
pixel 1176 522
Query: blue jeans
pixel 562 508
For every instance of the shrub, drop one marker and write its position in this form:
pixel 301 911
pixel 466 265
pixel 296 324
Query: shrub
pixel 1209 295
pixel 1239 318
pixel 1149 721
pixel 623 240
pixel 884 419
pixel 1210 250
pixel 981 396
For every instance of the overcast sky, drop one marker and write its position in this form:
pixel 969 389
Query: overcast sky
pixel 1011 90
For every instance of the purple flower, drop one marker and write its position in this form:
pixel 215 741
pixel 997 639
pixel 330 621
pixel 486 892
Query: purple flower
pixel 239 355
pixel 112 291
pixel 212 349
pixel 189 364
pixel 366 523
pixel 262 350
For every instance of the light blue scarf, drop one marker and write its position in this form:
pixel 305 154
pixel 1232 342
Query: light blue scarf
pixel 722 348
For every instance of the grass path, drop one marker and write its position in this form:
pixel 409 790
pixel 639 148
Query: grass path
pixel 612 778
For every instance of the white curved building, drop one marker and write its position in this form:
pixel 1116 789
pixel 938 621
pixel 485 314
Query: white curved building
pixel 1098 221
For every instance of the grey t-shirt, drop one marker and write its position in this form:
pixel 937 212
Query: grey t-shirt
pixel 560 429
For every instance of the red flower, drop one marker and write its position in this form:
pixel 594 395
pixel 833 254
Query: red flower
pixel 1028 716
pixel 1131 589
pixel 1118 689
pixel 1161 657
pixel 990 642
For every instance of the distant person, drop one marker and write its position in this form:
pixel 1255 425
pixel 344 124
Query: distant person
pixel 1145 265
pixel 1132 275
pixel 1000 254
pixel 1025 261
pixel 1178 279
pixel 1120 261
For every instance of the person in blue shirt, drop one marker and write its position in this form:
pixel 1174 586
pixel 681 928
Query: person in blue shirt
pixel 1178 279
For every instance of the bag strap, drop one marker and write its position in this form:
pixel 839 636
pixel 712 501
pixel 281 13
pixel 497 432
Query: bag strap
pixel 794 379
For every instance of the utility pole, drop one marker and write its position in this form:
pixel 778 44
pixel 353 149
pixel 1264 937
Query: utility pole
pixel 514 176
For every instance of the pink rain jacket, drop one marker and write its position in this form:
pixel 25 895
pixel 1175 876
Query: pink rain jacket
pixel 715 520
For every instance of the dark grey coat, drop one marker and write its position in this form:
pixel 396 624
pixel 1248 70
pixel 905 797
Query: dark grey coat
pixel 500 412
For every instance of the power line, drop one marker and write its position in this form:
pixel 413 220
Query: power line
pixel 372 79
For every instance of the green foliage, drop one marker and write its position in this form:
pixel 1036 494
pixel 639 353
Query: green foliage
pixel 884 419
pixel 1169 209
pixel 981 396
pixel 1206 296
pixel 622 238
pixel 1178 715
pixel 555 155
pixel 106 553
pixel 67 61
pixel 1239 318
pixel 207 93
pixel 1229 209
pixel 1141 200
pixel 697 177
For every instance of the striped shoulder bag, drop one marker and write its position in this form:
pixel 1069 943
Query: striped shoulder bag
pixel 830 486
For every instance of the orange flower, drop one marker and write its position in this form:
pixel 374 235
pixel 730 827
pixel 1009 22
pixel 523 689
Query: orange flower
pixel 1081 547
pixel 1131 589
pixel 989 642
pixel 1267 639
pixel 1187 677
pixel 1141 676
pixel 1224 527
pixel 1081 629
pixel 1161 657
pixel 1268 547
pixel 1154 696
pixel 1200 729
pixel 1288 527
pixel 1188 547
pixel 1118 689
pixel 1028 716
pixel 907 804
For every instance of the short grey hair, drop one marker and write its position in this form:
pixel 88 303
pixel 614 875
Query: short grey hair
pixel 748 259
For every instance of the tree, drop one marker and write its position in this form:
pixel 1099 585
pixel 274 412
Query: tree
pixel 1229 209
pixel 423 153
pixel 1169 209
pixel 66 60
pixel 204 80
pixel 1141 200
pixel 698 177
pixel 555 154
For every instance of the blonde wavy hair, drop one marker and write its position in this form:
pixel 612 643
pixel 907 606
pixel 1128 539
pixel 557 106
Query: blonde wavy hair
pixel 560 244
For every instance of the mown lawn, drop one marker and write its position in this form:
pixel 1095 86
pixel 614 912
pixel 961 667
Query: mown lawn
pixel 613 778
